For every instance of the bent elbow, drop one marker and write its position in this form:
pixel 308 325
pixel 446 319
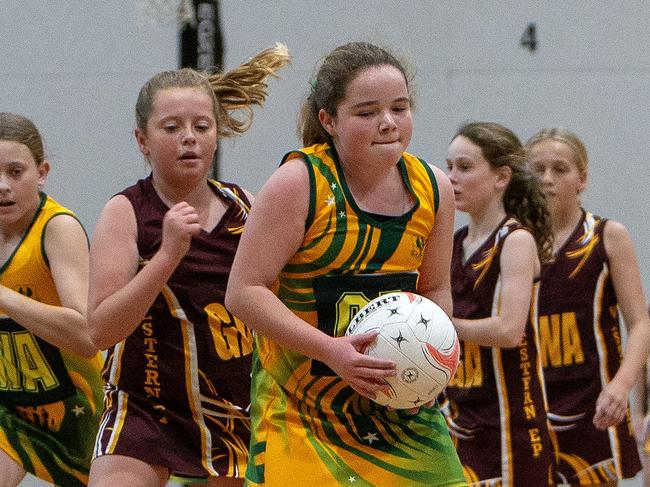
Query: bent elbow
pixel 230 301
pixel 88 350
pixel 100 341
pixel 513 339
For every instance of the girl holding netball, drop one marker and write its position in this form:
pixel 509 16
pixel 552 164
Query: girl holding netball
pixel 348 217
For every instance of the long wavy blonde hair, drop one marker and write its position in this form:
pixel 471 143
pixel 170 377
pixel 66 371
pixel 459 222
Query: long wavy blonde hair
pixel 233 92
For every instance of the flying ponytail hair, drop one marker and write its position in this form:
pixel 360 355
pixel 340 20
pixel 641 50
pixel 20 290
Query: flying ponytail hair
pixel 523 198
pixel 233 92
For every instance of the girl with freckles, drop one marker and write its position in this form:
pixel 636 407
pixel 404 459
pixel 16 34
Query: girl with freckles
pixel 346 218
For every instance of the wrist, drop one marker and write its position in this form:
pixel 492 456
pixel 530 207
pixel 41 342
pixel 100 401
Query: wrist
pixel 4 294
pixel 323 348
pixel 620 381
pixel 166 259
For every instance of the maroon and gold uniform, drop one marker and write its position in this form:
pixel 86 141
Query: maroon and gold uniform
pixel 496 411
pixel 580 340
pixel 178 388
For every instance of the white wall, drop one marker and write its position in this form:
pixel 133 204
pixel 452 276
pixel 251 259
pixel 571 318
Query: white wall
pixel 75 67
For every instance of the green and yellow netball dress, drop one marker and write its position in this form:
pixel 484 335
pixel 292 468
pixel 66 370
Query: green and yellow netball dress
pixel 308 426
pixel 50 399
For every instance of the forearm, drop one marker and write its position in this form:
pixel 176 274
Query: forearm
pixel 638 396
pixel 634 356
pixel 262 311
pixel 441 297
pixel 61 326
pixel 488 332
pixel 119 314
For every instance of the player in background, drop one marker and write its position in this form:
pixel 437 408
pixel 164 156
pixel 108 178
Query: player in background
pixel 342 220
pixel 593 274
pixel 178 367
pixel 50 385
pixel 496 410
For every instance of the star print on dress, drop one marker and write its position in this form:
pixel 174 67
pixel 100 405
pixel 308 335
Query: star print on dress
pixel 333 186
pixel 78 410
pixel 341 214
pixel 352 479
pixel 371 437
pixel 330 201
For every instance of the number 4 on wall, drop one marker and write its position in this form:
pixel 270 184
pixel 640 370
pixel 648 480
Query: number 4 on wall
pixel 529 37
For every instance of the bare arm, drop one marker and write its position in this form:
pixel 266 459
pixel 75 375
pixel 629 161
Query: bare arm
pixel 119 296
pixel 638 396
pixel 639 405
pixel 624 271
pixel 435 279
pixel 64 326
pixel 519 264
pixel 273 233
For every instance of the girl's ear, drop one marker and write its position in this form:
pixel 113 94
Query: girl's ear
pixel 327 122
pixel 503 176
pixel 141 138
pixel 582 181
pixel 43 171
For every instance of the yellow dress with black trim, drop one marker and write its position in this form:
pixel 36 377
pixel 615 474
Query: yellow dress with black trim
pixel 50 398
pixel 308 426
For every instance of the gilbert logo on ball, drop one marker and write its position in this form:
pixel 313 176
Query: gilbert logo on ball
pixel 416 334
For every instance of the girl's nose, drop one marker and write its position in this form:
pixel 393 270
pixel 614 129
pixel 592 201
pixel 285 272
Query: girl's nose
pixel 4 184
pixel 188 137
pixel 387 123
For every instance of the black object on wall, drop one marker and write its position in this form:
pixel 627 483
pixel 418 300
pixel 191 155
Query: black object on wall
pixel 201 46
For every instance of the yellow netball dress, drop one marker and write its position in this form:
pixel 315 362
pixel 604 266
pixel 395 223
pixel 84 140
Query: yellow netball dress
pixel 308 426
pixel 50 399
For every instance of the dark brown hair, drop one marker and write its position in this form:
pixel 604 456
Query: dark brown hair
pixel 523 198
pixel 20 129
pixel 328 88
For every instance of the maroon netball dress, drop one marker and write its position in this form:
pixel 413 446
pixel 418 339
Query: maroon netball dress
pixel 496 411
pixel 177 389
pixel 581 350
